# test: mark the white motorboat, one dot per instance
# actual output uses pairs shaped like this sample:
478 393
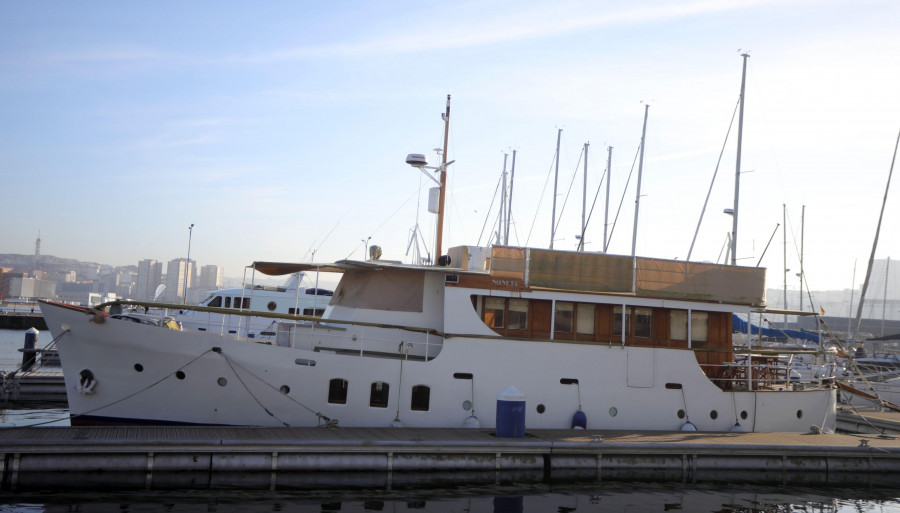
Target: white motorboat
291 298
224 310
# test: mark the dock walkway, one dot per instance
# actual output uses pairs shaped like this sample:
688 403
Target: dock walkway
152 457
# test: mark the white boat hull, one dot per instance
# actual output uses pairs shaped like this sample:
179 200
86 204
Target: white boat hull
146 374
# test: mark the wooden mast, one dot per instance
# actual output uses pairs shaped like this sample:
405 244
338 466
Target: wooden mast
440 220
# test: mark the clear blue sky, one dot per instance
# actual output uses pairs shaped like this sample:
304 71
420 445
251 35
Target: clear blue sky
279 128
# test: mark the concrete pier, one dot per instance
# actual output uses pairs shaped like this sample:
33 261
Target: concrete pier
22 320
154 457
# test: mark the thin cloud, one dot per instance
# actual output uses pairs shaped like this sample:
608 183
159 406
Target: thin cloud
531 25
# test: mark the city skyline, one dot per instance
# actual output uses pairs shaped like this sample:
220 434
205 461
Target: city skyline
280 134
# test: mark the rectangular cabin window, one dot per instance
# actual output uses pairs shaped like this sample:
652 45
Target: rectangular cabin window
617 321
518 314
227 301
585 318
643 321
563 317
494 309
678 324
699 326
246 301
216 302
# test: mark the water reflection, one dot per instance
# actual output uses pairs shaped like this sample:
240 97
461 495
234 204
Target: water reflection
596 497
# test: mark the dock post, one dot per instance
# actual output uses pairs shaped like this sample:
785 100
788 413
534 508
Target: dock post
28 353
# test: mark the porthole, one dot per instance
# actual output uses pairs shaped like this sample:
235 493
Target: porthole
713 414
138 367
271 306
799 414
613 411
222 382
285 389
681 414
179 375
541 408
744 415
467 405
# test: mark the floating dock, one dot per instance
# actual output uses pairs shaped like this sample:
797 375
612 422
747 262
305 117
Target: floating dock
868 420
43 387
282 458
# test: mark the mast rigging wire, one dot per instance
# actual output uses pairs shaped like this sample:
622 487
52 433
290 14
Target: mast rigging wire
713 181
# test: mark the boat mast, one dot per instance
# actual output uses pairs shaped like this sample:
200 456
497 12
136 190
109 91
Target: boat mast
501 227
512 174
440 220
862 294
802 230
555 180
887 270
737 172
784 302
637 204
606 213
584 199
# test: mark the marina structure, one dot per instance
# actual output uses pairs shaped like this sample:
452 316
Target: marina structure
286 458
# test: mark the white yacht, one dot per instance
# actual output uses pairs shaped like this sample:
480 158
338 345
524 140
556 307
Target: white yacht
434 346
563 339
222 308
225 311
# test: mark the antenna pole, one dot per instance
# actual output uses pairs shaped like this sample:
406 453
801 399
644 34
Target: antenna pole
440 219
737 172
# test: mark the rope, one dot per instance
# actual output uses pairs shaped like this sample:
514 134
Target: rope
328 421
621 201
238 376
129 396
10 374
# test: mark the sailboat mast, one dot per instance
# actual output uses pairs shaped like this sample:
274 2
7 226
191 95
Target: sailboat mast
887 270
501 228
637 204
584 199
862 293
606 210
737 172
555 180
440 219
512 175
802 230
784 302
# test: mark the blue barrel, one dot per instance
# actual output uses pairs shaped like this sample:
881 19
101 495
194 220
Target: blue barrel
510 413
28 355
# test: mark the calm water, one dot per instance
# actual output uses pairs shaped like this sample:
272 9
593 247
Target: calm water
360 495
600 497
